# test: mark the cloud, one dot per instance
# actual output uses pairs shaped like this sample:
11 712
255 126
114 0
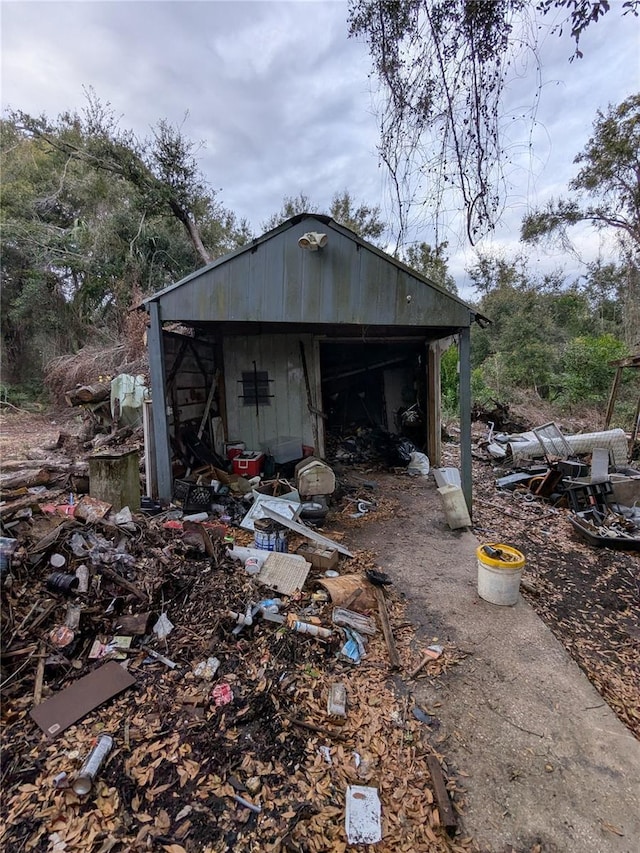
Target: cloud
281 98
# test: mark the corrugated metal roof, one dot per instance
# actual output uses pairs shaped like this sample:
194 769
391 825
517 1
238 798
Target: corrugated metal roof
349 281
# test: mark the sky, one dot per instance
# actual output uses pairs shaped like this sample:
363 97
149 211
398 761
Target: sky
284 102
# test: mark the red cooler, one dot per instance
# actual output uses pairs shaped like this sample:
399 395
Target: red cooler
248 464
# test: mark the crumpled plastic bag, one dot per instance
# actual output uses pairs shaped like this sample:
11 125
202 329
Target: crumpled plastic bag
418 464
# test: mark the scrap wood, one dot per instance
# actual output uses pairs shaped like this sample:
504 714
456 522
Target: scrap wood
124 583
394 658
447 814
305 531
37 690
335 735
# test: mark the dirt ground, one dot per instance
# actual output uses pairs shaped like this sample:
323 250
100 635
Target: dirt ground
23 432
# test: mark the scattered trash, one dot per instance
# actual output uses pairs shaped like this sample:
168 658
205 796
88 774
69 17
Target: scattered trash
337 700
354 649
363 815
207 669
222 694
62 582
251 806
83 782
325 752
312 630
421 715
378 578
163 627
455 507
61 637
61 781
82 573
418 464
285 573
157 656
70 705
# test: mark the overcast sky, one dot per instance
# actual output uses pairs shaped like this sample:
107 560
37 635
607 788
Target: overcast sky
282 99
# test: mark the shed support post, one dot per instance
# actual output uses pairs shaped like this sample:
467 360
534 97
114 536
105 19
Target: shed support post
434 405
159 400
464 355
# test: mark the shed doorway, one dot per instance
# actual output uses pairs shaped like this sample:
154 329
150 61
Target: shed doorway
375 385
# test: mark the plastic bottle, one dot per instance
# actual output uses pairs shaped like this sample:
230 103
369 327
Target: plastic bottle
83 782
313 630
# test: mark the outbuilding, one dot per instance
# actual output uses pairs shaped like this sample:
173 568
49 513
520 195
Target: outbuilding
301 333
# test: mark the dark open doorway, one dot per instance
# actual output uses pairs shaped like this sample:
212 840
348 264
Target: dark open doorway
373 385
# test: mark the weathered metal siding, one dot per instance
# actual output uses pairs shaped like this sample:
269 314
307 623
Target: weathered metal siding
275 281
287 414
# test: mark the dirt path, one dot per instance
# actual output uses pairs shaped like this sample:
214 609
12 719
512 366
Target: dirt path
550 767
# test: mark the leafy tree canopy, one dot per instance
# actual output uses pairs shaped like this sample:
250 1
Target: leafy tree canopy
432 263
92 218
361 219
606 190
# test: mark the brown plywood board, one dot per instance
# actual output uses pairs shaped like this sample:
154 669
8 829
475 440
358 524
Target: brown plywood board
68 706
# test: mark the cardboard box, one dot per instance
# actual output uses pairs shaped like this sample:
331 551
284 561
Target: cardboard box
248 464
319 557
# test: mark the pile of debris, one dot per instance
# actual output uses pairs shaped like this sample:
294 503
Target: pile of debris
586 473
574 514
227 697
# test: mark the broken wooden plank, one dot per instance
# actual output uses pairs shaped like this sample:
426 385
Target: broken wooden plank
448 817
312 727
305 531
386 629
124 583
37 689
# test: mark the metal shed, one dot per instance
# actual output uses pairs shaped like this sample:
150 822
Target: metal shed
306 327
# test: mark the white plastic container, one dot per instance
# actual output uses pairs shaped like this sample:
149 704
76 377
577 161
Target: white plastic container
455 506
499 579
283 448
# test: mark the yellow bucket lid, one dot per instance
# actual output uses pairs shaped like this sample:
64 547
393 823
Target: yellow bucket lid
516 559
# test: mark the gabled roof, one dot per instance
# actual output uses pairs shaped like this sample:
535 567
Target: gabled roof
349 281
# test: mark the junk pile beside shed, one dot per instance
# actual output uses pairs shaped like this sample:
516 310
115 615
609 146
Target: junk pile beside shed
169 685
588 474
584 584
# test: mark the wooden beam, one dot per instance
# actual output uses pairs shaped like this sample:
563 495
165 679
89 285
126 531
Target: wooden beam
434 405
448 817
612 397
386 629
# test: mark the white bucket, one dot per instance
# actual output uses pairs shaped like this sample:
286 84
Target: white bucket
499 579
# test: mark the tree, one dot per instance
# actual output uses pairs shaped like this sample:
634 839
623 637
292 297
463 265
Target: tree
362 220
443 66
606 194
291 206
86 223
162 168
606 190
431 263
